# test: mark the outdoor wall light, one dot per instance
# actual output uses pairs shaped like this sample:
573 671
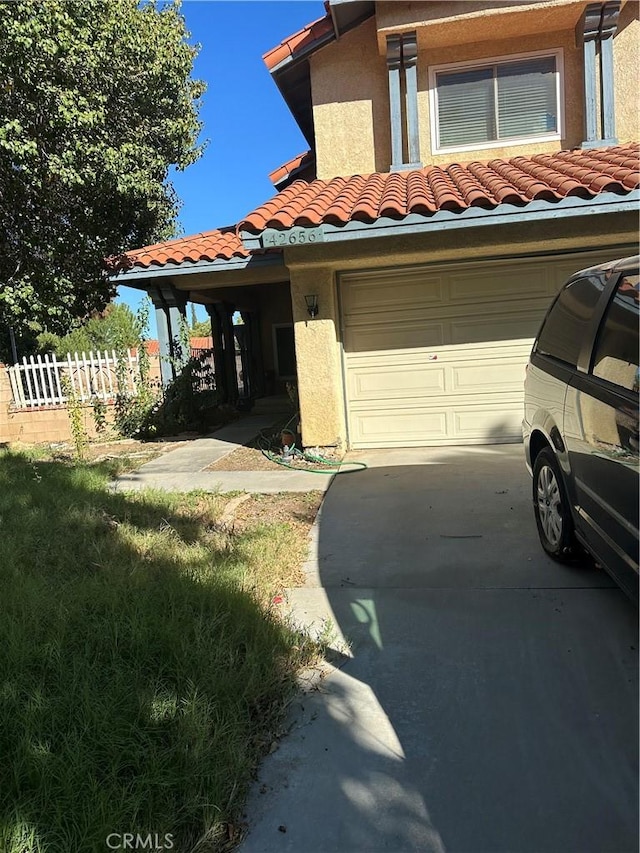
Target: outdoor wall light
312 304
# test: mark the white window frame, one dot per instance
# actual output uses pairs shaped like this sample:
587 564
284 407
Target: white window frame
434 70
274 328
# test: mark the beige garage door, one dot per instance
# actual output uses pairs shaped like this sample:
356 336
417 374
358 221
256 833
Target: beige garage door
436 356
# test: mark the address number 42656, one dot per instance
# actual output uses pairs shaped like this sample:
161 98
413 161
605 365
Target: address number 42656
292 237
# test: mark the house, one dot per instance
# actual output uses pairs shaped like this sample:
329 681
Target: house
463 159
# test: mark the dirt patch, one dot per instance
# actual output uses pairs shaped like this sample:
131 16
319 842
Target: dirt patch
299 509
244 459
271 535
253 459
101 451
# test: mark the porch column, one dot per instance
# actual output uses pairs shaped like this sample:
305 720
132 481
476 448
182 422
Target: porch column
254 351
226 317
320 388
218 353
176 303
164 336
241 335
224 351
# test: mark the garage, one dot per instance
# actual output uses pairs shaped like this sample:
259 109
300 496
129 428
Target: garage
436 355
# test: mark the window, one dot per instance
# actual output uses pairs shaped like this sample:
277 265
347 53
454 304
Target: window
564 330
616 351
285 351
496 103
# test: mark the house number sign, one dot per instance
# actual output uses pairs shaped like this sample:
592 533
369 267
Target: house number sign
292 237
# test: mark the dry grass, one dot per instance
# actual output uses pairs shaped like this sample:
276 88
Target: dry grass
144 671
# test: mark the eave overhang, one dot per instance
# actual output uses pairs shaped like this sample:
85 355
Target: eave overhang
291 73
444 220
138 276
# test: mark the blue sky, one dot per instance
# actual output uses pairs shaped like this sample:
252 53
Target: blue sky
247 124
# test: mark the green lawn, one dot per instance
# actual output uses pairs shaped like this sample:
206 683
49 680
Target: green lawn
142 670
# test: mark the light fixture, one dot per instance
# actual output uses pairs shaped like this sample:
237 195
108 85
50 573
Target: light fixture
312 304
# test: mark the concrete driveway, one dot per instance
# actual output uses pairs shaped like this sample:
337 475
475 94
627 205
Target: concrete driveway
490 703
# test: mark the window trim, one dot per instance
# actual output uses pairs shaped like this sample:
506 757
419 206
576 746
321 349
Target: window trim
434 70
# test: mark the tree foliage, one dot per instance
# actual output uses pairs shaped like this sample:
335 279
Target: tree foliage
201 329
115 328
97 104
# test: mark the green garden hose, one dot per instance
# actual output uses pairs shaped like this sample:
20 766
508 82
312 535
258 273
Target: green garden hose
266 444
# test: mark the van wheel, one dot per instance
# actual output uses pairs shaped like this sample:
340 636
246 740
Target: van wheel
551 507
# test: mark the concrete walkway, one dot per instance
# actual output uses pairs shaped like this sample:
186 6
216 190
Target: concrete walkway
487 702
183 469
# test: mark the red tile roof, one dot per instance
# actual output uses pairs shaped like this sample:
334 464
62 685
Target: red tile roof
517 181
299 42
298 162
207 246
153 346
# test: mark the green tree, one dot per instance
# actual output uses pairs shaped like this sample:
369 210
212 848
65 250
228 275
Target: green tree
115 328
97 104
201 329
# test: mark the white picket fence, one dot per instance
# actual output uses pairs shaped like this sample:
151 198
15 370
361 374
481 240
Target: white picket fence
39 381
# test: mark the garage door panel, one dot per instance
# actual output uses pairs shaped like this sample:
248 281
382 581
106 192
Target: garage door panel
488 284
437 356
398 380
385 337
484 421
395 383
506 327
412 428
423 427
392 292
480 378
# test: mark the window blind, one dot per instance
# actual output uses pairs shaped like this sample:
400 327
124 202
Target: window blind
465 106
527 98
501 101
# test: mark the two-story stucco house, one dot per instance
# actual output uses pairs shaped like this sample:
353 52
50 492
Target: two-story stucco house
463 159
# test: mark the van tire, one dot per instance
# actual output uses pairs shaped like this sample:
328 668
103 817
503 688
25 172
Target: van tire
552 508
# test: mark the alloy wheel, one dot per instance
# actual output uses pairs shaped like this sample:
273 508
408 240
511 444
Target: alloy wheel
549 505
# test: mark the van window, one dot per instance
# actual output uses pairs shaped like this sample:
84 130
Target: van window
616 351
568 320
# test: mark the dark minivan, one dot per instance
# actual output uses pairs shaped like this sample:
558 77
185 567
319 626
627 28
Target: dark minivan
581 420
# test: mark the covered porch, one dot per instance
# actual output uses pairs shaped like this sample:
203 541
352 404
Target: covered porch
248 302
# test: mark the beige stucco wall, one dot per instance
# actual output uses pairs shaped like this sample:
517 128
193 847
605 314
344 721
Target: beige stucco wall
316 269
440 23
626 61
350 84
318 356
350 97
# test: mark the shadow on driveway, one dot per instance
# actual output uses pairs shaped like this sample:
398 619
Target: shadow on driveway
491 700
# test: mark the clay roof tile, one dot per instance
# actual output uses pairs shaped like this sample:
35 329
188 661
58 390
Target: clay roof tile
516 181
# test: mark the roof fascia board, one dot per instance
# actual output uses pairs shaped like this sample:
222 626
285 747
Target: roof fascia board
187 268
303 54
341 14
338 31
473 216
